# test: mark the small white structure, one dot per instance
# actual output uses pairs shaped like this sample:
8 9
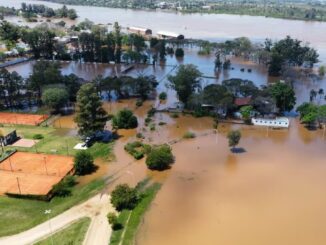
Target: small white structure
281 122
170 35
80 146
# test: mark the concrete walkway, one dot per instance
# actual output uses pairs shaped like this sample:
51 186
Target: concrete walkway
99 231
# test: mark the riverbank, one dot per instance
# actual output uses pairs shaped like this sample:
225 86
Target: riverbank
290 10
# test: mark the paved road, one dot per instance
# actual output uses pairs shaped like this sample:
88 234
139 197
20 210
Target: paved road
99 231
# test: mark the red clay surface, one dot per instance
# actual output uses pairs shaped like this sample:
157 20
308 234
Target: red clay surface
24 119
35 173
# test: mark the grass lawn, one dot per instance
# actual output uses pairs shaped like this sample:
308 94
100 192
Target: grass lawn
130 219
55 141
20 214
72 235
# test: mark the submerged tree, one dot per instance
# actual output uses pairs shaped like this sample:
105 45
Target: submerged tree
234 137
185 82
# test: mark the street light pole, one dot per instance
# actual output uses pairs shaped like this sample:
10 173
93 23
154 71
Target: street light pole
47 213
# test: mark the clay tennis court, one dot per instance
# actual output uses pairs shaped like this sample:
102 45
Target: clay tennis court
33 174
23 119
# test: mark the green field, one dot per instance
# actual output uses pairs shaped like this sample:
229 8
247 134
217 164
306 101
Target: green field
72 235
55 141
131 219
29 213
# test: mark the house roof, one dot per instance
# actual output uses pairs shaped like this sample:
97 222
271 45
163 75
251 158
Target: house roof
242 101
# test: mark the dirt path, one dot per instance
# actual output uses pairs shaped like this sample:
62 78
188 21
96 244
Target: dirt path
99 231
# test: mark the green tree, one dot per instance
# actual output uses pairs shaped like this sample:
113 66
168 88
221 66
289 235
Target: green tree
322 71
124 197
90 116
179 53
124 119
117 41
185 82
246 113
283 95
44 73
83 163
55 98
160 157
9 33
234 137
40 40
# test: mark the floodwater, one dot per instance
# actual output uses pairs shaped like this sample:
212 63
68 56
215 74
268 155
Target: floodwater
271 194
205 64
203 26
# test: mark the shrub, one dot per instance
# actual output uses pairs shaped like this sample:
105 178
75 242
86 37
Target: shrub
163 96
151 112
63 188
124 119
162 123
83 163
148 120
139 103
124 197
135 149
179 53
152 127
234 138
189 135
113 221
174 115
38 136
140 136
242 69
160 157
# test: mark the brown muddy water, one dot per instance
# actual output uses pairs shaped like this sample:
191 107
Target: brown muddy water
271 194
205 64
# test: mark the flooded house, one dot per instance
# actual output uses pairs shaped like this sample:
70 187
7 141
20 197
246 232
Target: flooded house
140 31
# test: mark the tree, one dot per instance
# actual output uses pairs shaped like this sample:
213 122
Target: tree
9 33
246 113
284 96
10 87
124 197
83 163
308 113
144 86
40 40
124 119
90 116
179 53
55 98
160 157
185 82
322 71
234 137
44 73
117 41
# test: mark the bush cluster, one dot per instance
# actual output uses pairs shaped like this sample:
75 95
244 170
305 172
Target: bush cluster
124 197
160 157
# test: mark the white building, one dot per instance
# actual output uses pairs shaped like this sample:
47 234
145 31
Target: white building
281 122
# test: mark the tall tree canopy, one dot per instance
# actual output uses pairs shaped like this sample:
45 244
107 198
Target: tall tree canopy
90 116
185 81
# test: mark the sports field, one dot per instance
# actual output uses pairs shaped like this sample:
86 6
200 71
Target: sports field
33 174
23 119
